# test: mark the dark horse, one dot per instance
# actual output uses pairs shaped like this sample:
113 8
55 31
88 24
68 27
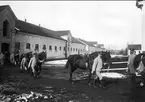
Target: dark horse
140 57
85 62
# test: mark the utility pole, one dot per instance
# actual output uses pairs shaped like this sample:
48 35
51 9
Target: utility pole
139 4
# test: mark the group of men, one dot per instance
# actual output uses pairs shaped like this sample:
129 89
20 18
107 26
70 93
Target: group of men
28 62
32 65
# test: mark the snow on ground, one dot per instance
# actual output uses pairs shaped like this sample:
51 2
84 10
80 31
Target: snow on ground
113 75
56 62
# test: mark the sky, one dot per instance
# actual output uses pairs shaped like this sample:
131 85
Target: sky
112 23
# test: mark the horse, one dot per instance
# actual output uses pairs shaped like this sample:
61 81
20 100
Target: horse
85 62
140 57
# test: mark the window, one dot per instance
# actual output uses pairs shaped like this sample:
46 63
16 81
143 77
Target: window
64 48
71 49
50 47
44 47
68 48
6 28
60 48
56 48
17 45
27 45
76 49
36 47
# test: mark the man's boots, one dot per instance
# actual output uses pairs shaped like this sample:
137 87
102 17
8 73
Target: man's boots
96 81
101 84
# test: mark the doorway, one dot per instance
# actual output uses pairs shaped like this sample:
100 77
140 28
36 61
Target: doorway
5 50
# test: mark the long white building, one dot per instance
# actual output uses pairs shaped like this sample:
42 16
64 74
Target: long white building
21 35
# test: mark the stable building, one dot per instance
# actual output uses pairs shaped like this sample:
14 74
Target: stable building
91 46
21 35
18 35
37 39
74 46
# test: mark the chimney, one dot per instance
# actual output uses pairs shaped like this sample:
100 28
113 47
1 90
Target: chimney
25 20
39 25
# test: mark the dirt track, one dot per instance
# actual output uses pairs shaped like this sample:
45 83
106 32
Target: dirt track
57 78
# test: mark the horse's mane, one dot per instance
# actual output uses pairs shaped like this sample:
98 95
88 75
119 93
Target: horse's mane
42 55
93 55
105 55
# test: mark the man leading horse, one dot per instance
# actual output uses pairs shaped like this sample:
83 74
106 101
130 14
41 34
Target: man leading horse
86 62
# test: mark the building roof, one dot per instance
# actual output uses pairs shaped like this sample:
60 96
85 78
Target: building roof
90 43
3 7
75 40
134 46
63 32
36 30
100 45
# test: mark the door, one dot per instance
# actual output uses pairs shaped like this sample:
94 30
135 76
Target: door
5 50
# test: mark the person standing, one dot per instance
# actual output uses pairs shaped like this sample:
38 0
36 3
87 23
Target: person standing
12 58
131 69
2 58
33 64
23 64
97 66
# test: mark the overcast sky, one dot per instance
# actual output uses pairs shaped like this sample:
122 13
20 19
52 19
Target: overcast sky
112 23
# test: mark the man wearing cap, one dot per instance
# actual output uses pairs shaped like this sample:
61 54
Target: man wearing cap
97 66
23 64
33 64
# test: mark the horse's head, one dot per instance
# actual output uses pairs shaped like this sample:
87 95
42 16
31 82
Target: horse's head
86 56
138 58
42 56
106 57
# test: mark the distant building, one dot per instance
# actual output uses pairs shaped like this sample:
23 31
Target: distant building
74 46
91 46
136 47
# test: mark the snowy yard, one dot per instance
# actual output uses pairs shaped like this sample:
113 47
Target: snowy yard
56 62
63 62
113 75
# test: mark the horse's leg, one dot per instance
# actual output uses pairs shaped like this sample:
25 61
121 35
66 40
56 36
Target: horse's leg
72 69
90 74
89 77
70 73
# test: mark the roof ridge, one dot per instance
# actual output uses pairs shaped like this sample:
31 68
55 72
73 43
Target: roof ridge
36 25
3 7
34 29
